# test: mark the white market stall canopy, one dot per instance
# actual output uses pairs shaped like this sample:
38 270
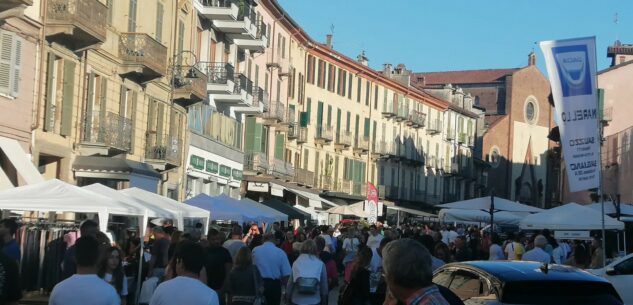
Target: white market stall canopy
571 216
182 210
19 160
356 209
412 211
225 208
609 208
58 196
484 204
476 216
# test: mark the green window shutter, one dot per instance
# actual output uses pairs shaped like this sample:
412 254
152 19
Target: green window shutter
600 103
349 86
279 146
320 114
212 167
366 128
159 124
374 133
49 116
357 127
133 117
291 113
68 96
6 65
196 162
329 115
309 110
259 138
304 118
249 133
348 122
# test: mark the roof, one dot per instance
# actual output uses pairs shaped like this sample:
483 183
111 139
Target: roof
510 271
626 63
462 77
113 165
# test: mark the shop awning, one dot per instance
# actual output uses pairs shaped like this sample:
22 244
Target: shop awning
5 182
225 208
111 168
292 212
314 200
412 211
278 216
18 158
153 210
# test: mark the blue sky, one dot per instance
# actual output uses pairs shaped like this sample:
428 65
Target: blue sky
460 35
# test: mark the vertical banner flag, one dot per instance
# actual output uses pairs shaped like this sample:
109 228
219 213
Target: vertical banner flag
372 200
571 66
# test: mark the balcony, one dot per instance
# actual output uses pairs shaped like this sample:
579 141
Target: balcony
304 177
293 131
386 149
362 145
13 8
343 140
303 135
241 95
255 163
276 113
76 24
242 24
282 169
163 154
220 77
324 135
217 9
144 58
450 134
259 43
401 114
462 138
390 109
105 134
259 103
416 119
189 91
471 141
434 127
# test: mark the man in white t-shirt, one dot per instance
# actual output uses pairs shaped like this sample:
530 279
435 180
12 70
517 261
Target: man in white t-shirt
186 288
85 287
373 241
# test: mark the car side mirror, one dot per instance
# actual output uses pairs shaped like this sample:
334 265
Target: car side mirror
611 271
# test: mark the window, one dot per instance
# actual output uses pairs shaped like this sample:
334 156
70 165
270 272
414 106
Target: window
10 62
349 88
58 115
467 285
531 110
131 16
376 98
367 90
160 11
320 74
625 267
495 157
358 91
310 76
110 11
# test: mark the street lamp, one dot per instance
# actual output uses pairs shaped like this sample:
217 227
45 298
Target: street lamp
177 66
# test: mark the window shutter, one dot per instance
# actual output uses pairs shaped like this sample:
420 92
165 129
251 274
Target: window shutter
123 102
159 22
48 108
133 118
131 21
6 55
304 119
257 139
366 128
67 95
249 134
159 124
279 146
17 61
89 107
309 110
103 104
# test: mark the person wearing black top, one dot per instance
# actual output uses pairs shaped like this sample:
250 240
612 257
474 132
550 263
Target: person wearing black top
359 283
217 265
10 292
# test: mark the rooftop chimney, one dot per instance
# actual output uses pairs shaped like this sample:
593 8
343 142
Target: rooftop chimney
532 59
387 70
362 59
328 40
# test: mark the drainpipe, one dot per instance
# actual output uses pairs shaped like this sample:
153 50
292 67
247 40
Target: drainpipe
38 94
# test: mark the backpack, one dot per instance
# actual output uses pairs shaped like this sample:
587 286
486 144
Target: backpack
307 285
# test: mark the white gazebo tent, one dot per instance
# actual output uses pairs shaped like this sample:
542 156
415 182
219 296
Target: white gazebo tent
490 204
180 209
609 208
477 216
58 196
151 210
356 209
569 217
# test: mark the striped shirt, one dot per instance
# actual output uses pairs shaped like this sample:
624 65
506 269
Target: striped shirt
427 296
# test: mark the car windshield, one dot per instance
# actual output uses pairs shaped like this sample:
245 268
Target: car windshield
555 292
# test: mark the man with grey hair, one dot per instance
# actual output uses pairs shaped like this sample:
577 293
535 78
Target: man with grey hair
538 254
407 268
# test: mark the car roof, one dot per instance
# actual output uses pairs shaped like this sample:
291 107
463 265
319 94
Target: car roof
512 271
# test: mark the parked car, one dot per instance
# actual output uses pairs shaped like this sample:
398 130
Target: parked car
620 274
501 282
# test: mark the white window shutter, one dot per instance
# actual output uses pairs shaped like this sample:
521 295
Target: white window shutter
6 55
17 61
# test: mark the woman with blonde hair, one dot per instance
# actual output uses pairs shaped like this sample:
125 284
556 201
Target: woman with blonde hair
308 283
245 284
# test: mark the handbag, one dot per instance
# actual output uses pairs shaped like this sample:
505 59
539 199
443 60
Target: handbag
345 295
307 285
259 290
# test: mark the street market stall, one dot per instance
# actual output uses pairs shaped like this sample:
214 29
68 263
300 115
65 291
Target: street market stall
278 216
356 209
224 208
477 217
569 217
291 211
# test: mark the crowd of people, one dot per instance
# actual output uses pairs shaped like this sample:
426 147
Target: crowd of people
368 265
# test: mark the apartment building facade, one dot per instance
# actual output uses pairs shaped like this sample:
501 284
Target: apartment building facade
112 100
20 32
334 124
